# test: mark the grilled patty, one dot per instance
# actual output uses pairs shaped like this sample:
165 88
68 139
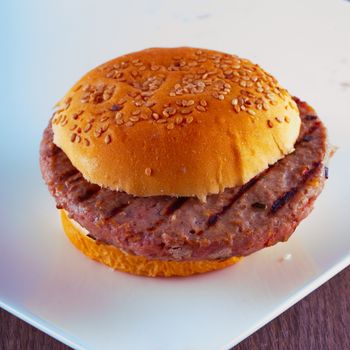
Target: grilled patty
236 222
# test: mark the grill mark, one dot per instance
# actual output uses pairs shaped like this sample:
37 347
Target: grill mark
308 134
282 200
175 205
287 196
88 194
115 211
212 220
310 117
307 138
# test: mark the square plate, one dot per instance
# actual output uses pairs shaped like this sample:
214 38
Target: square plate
48 283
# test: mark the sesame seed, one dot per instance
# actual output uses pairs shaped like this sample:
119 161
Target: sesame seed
111 74
221 97
98 132
129 123
287 119
138 103
189 119
77 88
87 142
136 112
170 126
155 116
190 102
279 119
185 111
73 127
104 128
134 119
251 112
73 137
87 127
75 116
118 115
237 108
107 139
148 171
178 120
234 102
269 123
203 103
150 104
168 111
200 108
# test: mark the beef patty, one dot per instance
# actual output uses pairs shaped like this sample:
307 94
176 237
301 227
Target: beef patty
236 222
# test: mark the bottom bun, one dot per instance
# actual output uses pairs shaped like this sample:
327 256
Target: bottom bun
134 264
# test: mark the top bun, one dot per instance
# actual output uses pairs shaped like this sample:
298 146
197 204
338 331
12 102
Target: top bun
175 121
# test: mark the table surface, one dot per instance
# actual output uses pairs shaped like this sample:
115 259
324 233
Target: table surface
320 321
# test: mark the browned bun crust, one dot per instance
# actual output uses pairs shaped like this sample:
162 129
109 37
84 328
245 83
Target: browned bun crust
136 265
179 122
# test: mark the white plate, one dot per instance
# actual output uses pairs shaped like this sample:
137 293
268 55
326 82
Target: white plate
45 281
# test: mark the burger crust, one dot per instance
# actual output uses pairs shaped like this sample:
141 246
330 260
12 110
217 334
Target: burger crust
175 121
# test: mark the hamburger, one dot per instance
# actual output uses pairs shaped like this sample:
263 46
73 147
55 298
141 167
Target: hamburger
176 161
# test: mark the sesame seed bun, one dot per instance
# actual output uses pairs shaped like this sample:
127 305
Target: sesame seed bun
175 121
133 264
